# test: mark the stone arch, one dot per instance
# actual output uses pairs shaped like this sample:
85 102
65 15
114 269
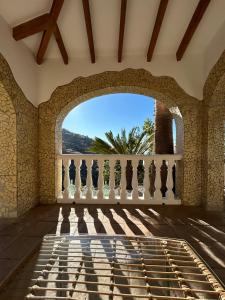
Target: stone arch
18 134
165 89
177 116
213 136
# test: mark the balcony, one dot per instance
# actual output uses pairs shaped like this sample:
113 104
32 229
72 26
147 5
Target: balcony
104 179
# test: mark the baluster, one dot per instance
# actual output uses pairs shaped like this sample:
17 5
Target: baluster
157 193
147 194
59 194
89 179
111 179
100 195
135 180
123 181
169 182
66 163
77 163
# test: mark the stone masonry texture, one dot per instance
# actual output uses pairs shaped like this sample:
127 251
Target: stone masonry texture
164 89
31 138
19 147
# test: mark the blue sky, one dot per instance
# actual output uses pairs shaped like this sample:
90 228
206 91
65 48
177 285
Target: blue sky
109 112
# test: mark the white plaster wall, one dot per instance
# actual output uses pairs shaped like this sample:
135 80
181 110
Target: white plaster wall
38 82
179 129
21 62
215 48
188 72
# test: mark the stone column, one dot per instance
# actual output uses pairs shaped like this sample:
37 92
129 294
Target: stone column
192 116
213 158
47 154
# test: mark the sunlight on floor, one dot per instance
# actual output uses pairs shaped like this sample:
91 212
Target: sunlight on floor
120 267
204 231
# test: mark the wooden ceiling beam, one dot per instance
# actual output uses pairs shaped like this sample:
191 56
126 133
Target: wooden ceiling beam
31 27
48 24
122 28
54 13
60 44
158 23
56 8
87 16
195 20
43 45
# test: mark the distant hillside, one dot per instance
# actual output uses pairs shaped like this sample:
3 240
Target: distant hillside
74 142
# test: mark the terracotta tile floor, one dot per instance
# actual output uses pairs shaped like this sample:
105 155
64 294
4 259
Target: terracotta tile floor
21 237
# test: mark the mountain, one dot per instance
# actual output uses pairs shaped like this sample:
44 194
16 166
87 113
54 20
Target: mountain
75 143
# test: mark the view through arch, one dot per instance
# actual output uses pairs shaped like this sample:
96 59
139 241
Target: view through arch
111 125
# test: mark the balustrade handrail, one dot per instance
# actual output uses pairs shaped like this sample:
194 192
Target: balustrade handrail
125 156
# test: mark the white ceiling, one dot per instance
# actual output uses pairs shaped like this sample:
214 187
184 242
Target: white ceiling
105 16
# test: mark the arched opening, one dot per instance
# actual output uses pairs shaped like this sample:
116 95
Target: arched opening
138 170
164 89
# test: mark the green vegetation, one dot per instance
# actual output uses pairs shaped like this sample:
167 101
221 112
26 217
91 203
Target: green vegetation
137 141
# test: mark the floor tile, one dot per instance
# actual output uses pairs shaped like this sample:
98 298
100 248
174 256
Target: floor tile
18 237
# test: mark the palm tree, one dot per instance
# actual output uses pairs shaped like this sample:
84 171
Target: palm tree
137 141
163 129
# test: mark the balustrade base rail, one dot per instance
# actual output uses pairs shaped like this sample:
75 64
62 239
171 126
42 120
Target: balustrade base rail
176 201
118 179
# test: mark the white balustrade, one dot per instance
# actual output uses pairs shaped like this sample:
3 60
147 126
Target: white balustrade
100 179
158 184
147 194
169 184
66 164
89 186
116 190
77 163
111 180
123 180
58 167
135 179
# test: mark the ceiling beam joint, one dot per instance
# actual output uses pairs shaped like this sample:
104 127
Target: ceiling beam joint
48 24
54 13
31 27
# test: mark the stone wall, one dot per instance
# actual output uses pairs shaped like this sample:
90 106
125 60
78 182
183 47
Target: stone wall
27 155
164 89
192 178
8 156
24 131
19 147
213 137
